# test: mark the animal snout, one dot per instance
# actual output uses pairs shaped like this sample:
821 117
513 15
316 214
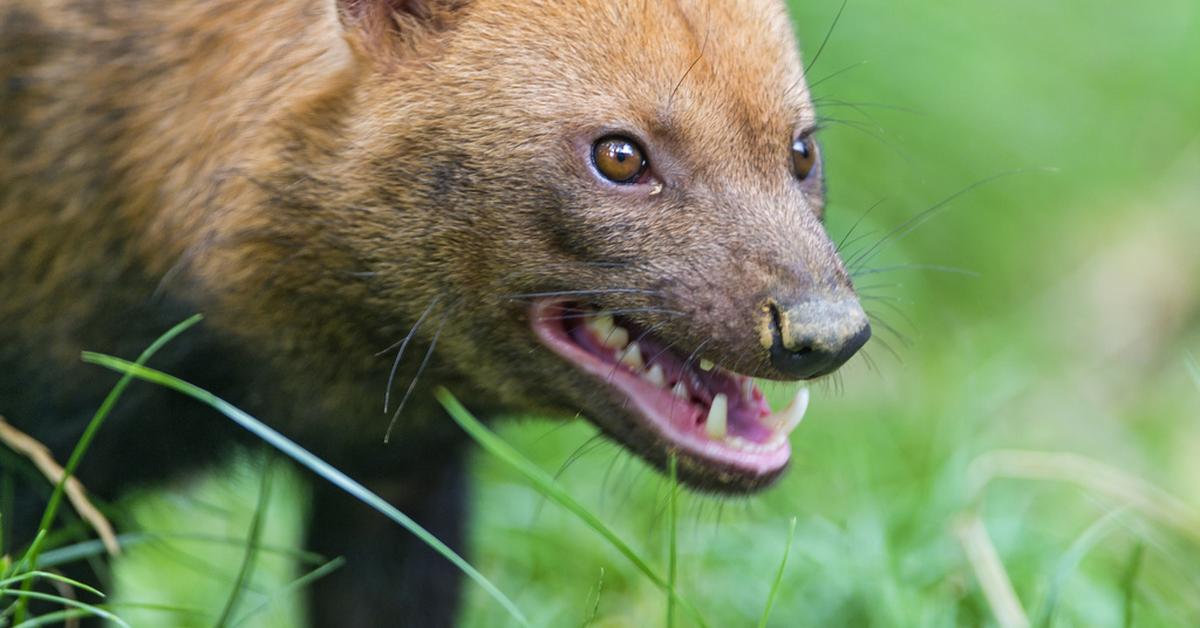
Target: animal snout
815 336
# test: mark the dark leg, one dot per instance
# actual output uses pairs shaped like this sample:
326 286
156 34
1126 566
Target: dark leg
391 578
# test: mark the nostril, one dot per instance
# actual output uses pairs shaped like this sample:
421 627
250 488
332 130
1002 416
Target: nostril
802 361
776 325
816 337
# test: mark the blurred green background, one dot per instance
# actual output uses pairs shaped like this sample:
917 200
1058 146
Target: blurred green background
1064 321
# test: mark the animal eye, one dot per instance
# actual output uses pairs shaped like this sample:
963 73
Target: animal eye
619 159
804 157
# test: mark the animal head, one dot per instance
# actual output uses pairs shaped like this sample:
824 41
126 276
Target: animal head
604 207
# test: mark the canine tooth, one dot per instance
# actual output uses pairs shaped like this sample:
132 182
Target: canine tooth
656 376
706 365
717 425
787 420
748 389
616 338
632 357
680 390
601 325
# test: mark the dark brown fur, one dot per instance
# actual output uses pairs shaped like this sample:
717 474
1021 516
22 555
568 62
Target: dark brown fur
314 175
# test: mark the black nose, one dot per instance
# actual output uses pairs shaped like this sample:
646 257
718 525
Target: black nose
815 337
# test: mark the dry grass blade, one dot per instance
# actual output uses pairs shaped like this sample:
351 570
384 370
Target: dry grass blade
37 453
1127 489
989 570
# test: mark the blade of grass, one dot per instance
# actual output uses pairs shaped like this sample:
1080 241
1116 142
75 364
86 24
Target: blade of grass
81 447
547 486
591 618
88 549
34 575
1069 563
312 463
1126 488
8 494
49 619
989 571
198 613
292 587
673 465
1129 582
1193 368
18 565
35 595
252 539
787 549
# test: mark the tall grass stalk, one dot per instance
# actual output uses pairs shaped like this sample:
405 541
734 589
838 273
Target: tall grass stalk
672 517
555 492
253 537
29 560
313 463
787 549
1070 561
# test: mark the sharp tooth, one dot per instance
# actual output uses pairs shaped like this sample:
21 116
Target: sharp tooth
656 376
680 390
601 325
706 365
616 338
787 420
748 389
717 424
632 357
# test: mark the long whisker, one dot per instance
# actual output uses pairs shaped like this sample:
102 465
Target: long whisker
403 344
895 309
575 293
695 62
841 243
903 229
889 299
825 102
828 34
620 312
687 365
591 444
883 343
387 437
951 270
836 74
889 328
880 286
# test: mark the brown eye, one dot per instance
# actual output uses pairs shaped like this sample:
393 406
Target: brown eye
619 159
804 157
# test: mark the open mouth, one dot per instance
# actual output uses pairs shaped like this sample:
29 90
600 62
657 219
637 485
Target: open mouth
711 414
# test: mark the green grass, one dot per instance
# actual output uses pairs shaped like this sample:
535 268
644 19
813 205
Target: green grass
1072 330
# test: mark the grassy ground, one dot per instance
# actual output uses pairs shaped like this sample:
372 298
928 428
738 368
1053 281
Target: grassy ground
1067 324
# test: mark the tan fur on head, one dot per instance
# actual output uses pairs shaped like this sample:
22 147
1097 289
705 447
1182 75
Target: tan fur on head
315 175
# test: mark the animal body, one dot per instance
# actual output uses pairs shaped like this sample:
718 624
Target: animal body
605 207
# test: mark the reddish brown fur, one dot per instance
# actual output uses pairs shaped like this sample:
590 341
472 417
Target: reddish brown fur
312 175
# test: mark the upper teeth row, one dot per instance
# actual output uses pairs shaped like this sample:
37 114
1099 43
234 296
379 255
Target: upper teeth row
615 337
608 331
716 426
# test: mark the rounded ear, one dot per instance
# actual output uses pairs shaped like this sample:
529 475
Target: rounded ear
399 24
